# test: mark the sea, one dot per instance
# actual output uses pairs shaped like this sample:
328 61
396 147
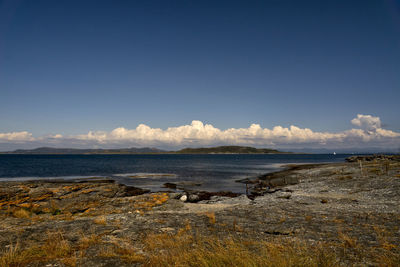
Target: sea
209 172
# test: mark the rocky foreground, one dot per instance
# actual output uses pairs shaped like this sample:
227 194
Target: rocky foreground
345 214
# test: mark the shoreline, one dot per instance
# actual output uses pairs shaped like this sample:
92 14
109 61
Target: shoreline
352 213
282 168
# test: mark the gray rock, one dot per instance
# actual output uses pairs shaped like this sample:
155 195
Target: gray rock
193 198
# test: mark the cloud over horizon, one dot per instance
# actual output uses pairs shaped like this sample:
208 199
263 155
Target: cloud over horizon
367 134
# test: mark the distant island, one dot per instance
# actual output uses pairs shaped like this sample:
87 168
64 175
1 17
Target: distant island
229 150
149 150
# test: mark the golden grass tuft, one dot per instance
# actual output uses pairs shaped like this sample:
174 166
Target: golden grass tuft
126 253
70 261
308 218
338 221
186 249
348 241
388 260
211 217
102 220
55 248
12 256
21 213
86 241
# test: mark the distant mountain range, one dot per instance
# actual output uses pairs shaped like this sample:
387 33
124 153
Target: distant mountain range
52 150
149 150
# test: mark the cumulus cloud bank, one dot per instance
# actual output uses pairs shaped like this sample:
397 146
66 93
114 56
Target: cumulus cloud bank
368 133
16 137
367 122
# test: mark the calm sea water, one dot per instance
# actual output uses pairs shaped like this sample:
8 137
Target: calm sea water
215 172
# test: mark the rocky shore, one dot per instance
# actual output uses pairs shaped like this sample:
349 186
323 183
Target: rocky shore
345 214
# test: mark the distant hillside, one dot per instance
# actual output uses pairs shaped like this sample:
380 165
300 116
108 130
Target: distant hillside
51 150
148 150
229 149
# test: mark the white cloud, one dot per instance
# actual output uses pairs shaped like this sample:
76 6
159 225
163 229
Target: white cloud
206 134
197 133
367 122
16 137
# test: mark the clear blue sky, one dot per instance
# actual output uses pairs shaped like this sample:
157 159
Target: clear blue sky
73 66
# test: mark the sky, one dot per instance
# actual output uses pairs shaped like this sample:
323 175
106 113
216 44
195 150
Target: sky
170 74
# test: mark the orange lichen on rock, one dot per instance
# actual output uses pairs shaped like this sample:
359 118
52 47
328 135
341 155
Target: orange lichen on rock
43 197
29 205
86 191
14 202
74 187
148 202
160 198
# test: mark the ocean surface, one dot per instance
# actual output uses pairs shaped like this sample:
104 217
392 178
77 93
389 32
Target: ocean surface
215 172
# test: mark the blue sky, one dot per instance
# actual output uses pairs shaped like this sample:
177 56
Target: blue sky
70 67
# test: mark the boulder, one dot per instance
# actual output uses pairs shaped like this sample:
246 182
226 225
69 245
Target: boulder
183 198
193 198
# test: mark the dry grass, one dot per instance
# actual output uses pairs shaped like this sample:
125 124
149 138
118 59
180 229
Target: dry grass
21 213
127 253
102 220
12 256
186 249
308 218
211 217
388 260
86 241
348 241
338 221
236 227
55 248
383 236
